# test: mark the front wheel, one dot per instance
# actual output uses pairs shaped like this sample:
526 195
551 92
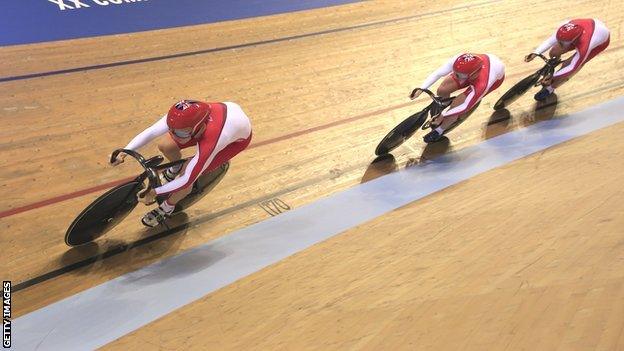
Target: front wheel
516 91
401 132
103 214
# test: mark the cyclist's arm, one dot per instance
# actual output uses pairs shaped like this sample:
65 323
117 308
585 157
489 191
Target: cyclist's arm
472 98
157 129
574 65
196 166
439 73
549 43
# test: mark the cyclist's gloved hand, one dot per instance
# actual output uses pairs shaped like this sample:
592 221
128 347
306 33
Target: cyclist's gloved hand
530 57
119 159
415 93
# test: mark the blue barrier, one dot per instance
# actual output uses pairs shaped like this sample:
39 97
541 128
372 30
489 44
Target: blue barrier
31 21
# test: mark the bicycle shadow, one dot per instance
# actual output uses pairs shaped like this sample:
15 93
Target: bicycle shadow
503 121
543 111
86 254
95 256
432 151
382 165
387 164
500 122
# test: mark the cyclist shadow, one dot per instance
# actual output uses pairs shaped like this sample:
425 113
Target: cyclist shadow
382 165
431 152
543 111
502 121
153 244
387 164
90 251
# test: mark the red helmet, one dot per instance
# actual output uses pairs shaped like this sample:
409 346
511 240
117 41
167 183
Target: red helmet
187 114
467 64
569 32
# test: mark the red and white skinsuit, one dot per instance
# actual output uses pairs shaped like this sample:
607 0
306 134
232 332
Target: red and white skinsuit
490 78
228 132
595 39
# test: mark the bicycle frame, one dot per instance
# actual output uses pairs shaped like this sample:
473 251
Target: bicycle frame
549 69
411 124
525 84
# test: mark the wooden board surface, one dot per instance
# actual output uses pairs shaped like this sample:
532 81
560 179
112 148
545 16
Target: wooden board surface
319 104
524 257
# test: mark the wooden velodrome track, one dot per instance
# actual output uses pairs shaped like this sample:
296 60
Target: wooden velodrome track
526 256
